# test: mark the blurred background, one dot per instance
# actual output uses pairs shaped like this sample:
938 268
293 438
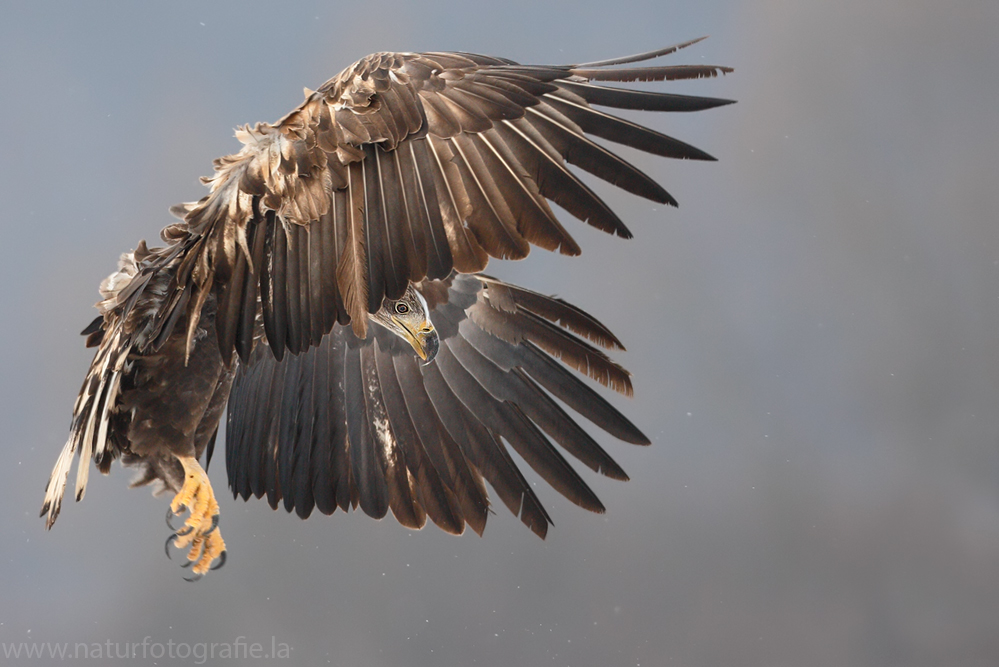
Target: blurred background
814 336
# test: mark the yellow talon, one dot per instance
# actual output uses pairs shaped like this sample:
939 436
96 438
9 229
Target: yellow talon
203 535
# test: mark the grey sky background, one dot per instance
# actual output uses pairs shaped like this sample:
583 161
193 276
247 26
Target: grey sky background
813 336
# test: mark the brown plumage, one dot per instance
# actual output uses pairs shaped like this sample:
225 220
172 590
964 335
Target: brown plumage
424 163
293 422
404 169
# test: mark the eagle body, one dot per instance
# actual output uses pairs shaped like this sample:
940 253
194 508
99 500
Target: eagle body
167 407
328 293
152 401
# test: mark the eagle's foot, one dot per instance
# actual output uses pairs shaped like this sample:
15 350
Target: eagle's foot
200 530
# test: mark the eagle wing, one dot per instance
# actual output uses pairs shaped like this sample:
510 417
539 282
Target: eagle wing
359 422
402 168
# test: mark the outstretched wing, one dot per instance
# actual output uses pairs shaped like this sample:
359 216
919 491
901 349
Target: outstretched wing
356 422
403 168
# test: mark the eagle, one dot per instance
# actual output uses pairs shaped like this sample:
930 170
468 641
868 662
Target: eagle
327 294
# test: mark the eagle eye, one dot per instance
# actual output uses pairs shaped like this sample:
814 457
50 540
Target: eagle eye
401 308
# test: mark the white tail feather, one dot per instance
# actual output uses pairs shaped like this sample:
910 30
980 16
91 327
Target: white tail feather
102 431
87 451
56 487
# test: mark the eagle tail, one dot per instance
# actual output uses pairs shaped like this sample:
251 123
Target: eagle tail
92 412
90 426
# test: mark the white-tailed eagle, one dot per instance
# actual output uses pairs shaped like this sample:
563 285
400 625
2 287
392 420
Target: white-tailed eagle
328 289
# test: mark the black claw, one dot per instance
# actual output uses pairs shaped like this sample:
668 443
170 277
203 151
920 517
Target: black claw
173 536
218 565
215 524
196 577
170 514
166 547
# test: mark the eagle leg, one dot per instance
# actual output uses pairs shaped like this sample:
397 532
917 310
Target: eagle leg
202 533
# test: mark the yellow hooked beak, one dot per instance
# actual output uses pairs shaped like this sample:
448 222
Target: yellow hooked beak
424 338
